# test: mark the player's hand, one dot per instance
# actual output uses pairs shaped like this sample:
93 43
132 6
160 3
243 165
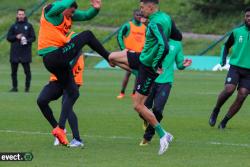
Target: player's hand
187 62
96 3
159 71
19 36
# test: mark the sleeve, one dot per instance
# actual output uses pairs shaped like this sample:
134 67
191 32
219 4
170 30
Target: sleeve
179 59
81 15
175 33
11 36
58 7
162 43
225 49
123 32
32 37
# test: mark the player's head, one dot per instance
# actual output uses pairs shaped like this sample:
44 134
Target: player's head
247 17
69 12
148 7
137 15
20 14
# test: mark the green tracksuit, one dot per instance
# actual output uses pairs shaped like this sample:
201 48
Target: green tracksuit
157 36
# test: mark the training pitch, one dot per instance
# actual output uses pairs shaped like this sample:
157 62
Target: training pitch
112 131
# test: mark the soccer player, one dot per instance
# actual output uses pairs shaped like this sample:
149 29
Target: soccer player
239 72
57 51
131 36
160 29
53 91
162 85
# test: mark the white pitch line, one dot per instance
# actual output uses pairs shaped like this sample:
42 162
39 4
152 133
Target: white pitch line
44 133
229 144
122 137
23 132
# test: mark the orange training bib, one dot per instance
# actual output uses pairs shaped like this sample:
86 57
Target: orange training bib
136 39
51 35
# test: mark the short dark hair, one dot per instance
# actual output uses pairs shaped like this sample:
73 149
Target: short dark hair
150 1
74 5
247 9
20 9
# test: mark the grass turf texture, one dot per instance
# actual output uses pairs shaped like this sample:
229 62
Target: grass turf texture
112 130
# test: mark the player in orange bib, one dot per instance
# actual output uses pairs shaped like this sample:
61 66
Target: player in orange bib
57 52
53 91
131 36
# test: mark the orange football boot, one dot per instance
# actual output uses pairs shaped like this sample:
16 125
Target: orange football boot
60 135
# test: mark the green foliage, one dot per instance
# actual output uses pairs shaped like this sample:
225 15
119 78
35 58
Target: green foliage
115 13
213 7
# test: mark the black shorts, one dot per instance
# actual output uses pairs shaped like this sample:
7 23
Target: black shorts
239 77
133 60
145 79
158 96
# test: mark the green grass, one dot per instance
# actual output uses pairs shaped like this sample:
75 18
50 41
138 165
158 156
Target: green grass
195 46
8 9
112 130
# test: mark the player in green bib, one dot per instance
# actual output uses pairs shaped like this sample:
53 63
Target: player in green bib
162 85
239 73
